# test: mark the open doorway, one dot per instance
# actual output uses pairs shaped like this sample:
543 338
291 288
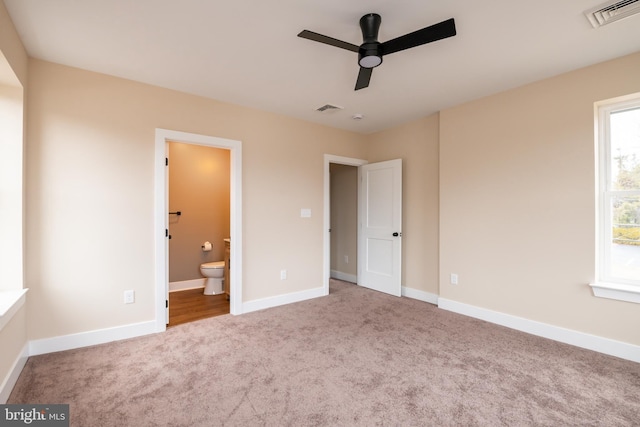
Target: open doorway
379 224
344 222
161 226
199 231
340 214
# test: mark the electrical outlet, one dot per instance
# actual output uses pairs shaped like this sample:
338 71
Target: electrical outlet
283 274
454 279
129 297
346 259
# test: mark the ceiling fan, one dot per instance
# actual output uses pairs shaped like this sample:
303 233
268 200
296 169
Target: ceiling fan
371 51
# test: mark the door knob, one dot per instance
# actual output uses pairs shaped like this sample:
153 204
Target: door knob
396 234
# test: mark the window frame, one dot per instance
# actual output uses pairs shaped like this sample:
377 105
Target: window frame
606 285
12 101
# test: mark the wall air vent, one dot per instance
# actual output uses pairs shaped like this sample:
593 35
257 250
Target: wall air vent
612 11
328 107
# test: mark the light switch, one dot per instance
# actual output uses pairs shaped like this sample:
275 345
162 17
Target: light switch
305 213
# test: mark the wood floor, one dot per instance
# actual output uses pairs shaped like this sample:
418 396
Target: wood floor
189 305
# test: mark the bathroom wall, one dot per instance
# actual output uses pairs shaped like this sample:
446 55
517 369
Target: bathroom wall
199 182
344 221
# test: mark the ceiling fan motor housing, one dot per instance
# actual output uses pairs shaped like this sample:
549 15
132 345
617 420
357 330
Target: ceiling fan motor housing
370 51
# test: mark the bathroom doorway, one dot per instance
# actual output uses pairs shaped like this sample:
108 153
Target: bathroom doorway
199 223
161 221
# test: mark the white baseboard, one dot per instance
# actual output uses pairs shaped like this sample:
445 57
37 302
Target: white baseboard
261 304
420 295
186 284
335 274
85 339
101 336
568 336
12 377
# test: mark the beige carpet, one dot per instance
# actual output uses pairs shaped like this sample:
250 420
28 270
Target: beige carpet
356 357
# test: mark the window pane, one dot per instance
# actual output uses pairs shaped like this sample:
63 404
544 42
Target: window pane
625 262
625 149
625 233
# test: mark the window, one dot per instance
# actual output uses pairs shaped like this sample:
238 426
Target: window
618 228
11 193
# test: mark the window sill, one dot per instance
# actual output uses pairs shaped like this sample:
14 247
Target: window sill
10 303
617 291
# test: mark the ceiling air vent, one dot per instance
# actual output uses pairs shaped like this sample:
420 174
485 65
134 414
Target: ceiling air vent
328 108
612 11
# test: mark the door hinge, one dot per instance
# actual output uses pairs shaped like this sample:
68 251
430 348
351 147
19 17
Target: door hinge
166 161
166 303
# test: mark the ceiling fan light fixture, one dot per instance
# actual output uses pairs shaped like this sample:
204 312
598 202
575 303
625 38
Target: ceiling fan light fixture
370 55
370 61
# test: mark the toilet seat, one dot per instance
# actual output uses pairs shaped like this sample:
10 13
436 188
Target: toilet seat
214 264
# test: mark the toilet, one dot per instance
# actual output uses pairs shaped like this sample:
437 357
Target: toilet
214 272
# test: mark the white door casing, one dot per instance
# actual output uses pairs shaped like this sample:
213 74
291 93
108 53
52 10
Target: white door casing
161 214
380 226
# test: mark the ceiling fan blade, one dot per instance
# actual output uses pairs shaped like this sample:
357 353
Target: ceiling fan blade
430 34
364 76
306 34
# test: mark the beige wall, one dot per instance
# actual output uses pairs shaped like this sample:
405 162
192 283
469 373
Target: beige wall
199 187
284 172
344 219
90 194
517 207
416 143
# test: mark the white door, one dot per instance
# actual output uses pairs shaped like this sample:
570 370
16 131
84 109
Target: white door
380 226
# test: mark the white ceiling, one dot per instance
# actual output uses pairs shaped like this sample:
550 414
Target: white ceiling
247 52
